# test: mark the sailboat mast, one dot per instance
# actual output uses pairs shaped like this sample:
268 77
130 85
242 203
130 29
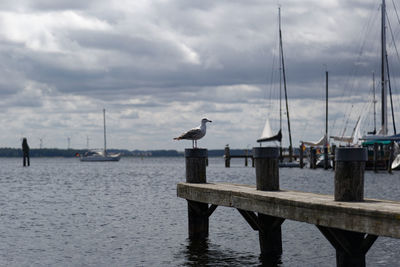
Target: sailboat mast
280 75
280 84
373 87
284 87
104 123
383 71
390 93
326 163
326 108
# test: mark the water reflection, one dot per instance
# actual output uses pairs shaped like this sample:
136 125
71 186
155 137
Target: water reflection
270 261
197 252
205 253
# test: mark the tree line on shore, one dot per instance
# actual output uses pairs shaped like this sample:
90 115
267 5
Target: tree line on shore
67 153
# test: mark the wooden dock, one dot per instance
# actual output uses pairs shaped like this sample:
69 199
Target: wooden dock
371 216
246 156
348 221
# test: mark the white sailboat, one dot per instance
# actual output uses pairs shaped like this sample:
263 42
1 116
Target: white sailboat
94 155
354 138
267 134
383 134
322 141
322 158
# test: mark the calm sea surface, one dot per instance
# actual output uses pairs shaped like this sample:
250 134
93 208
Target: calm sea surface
62 212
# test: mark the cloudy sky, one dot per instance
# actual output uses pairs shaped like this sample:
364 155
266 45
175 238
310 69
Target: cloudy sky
158 67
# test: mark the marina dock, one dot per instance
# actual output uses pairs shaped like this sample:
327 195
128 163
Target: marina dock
371 216
348 221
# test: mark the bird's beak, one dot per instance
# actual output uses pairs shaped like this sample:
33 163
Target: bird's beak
209 121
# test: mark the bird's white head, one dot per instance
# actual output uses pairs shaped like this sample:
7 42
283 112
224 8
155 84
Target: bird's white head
205 120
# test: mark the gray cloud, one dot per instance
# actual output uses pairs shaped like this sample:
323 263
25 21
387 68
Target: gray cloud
159 65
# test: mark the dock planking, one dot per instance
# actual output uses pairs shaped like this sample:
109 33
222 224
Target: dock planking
348 221
371 216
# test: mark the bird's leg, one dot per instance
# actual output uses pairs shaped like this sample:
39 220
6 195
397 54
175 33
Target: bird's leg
192 143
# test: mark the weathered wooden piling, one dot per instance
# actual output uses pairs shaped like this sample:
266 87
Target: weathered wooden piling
267 179
351 247
333 157
313 158
227 156
349 173
301 156
25 152
326 158
348 222
391 157
197 211
267 168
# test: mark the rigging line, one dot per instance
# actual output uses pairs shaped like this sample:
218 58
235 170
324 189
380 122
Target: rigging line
390 92
272 83
398 57
272 79
393 40
273 71
350 82
351 85
397 16
367 107
395 10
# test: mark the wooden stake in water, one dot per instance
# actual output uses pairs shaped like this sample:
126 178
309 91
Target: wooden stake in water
197 211
25 152
227 156
267 179
301 156
351 247
349 173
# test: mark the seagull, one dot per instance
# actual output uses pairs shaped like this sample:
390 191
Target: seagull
195 133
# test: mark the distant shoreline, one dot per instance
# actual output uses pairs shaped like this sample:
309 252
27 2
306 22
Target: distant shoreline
70 153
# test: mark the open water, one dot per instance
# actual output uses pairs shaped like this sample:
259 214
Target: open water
62 212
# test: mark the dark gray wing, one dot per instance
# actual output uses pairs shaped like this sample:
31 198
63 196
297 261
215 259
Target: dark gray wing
191 134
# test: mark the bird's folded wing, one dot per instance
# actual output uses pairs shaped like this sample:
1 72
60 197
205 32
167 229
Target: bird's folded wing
193 133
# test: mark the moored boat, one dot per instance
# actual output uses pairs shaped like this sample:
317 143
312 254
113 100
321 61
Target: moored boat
93 155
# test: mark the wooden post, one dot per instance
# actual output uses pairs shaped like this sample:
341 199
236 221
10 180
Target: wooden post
227 157
314 152
301 156
326 159
351 247
313 158
267 168
349 174
375 157
25 152
252 162
391 157
267 179
245 159
197 211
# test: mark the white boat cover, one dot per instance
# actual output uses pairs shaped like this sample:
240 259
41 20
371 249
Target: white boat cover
355 137
320 142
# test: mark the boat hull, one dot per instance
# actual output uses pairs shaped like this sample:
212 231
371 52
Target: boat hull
100 158
396 163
